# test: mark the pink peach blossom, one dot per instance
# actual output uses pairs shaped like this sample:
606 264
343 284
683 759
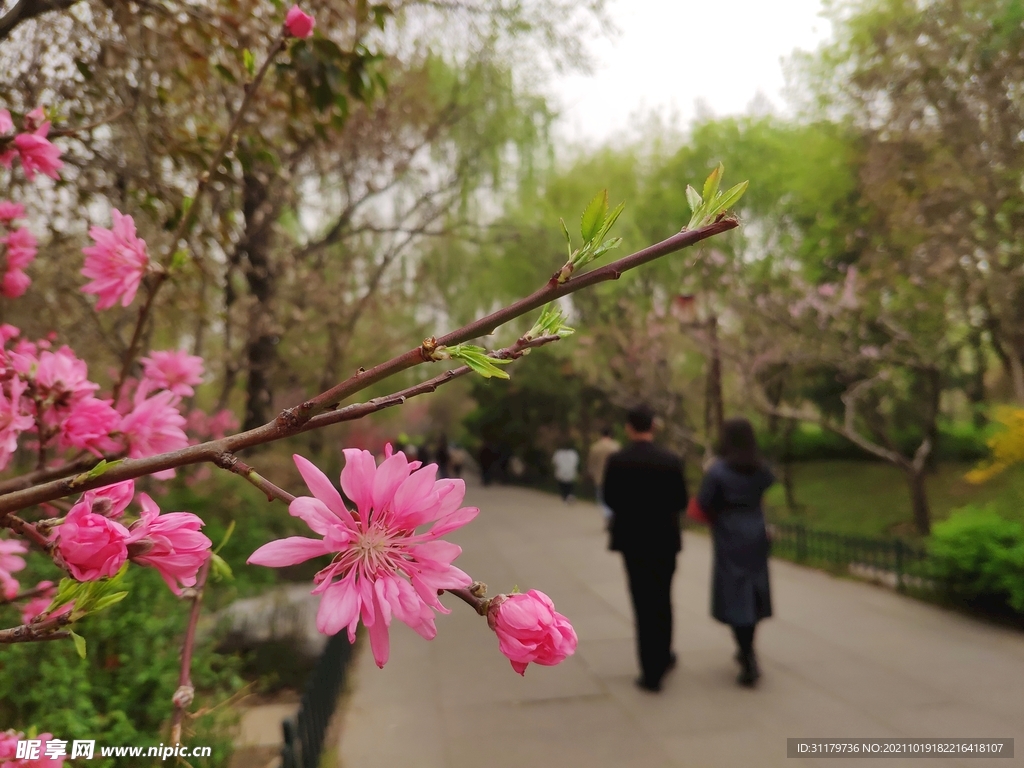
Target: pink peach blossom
89 426
93 546
34 119
116 263
6 124
13 420
154 425
174 370
377 545
169 542
14 283
38 154
530 630
9 752
39 603
62 382
9 563
20 251
10 211
298 23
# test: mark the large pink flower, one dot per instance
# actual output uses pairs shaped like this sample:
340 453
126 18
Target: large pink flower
154 426
298 23
530 630
174 370
116 263
38 154
9 563
93 546
377 545
171 543
89 426
9 751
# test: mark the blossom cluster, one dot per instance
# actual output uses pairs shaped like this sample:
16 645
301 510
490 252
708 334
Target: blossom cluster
9 752
94 544
36 152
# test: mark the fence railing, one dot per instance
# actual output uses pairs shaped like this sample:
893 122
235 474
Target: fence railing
896 561
304 734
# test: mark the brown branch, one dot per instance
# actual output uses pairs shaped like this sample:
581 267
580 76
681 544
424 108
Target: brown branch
472 595
23 10
232 463
183 696
73 467
300 419
47 629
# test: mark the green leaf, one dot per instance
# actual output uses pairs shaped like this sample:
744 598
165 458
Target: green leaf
478 361
712 182
593 215
693 198
178 260
108 600
729 198
79 643
609 221
227 535
186 205
219 568
250 62
66 592
568 240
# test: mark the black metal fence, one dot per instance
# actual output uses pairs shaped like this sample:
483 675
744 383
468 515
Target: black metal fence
304 734
894 561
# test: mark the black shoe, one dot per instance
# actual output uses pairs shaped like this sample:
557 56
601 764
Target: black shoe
750 672
646 685
672 661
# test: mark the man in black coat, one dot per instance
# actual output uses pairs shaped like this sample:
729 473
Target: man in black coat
646 491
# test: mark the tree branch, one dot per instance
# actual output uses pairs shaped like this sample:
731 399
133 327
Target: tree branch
183 696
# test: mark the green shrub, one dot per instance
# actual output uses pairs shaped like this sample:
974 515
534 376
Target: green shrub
979 558
956 442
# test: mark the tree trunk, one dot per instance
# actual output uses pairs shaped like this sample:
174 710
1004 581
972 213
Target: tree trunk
919 498
787 466
713 408
260 347
975 388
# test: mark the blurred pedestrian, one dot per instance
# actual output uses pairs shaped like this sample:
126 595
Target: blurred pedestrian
646 490
730 497
488 458
459 458
566 461
597 459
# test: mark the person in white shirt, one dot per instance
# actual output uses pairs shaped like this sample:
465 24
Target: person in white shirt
566 462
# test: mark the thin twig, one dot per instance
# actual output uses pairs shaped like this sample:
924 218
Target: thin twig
185 693
232 463
48 629
294 420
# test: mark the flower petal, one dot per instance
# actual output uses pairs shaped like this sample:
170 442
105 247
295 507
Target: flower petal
390 475
454 521
338 607
357 479
380 642
321 487
290 551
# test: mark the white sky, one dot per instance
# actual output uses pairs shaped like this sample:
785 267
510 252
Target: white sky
671 54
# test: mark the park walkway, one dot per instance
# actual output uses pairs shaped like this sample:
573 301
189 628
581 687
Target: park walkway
840 659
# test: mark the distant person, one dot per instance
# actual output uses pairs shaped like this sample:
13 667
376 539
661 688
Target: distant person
566 461
459 458
730 497
443 457
424 454
597 459
646 491
488 458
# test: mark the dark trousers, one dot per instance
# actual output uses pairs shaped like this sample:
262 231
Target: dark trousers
744 639
565 489
650 585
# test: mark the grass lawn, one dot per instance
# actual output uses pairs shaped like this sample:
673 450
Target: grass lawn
871 499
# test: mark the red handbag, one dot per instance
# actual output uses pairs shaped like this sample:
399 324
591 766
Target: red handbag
695 513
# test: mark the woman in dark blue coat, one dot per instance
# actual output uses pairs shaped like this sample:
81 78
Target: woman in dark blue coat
730 496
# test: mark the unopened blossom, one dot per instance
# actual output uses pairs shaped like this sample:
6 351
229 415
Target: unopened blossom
530 630
171 543
92 545
10 211
34 119
13 419
38 154
10 562
154 426
116 263
174 370
382 566
89 426
298 23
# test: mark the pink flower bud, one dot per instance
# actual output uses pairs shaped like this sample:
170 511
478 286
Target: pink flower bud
299 24
530 630
93 546
169 542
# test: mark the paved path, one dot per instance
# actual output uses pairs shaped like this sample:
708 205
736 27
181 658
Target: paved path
840 659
